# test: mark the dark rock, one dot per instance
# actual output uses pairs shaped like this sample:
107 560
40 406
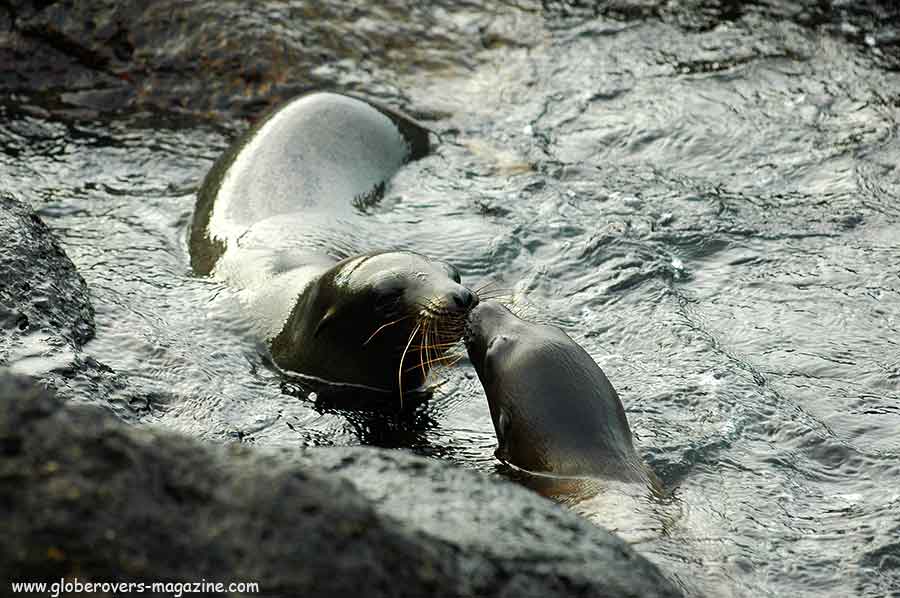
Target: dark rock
89 497
504 535
224 57
237 58
46 315
97 500
40 290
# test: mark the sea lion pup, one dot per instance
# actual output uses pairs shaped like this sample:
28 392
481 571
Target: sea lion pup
554 411
280 218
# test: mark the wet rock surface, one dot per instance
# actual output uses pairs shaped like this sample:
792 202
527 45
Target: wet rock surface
223 57
525 542
46 314
98 500
234 58
40 290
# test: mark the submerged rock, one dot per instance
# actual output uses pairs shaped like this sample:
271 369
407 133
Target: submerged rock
92 498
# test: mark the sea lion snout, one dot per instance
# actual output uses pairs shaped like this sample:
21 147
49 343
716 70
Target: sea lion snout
484 322
463 299
488 316
472 331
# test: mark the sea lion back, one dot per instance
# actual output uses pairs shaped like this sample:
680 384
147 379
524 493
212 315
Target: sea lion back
322 152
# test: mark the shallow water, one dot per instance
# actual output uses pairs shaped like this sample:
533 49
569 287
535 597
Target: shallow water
712 213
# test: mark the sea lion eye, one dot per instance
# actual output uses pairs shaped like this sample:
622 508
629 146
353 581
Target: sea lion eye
388 293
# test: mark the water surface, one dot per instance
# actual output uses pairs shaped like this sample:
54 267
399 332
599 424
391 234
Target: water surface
713 213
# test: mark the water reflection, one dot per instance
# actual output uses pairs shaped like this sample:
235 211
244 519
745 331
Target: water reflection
375 418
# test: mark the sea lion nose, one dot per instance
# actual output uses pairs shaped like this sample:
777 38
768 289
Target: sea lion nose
463 299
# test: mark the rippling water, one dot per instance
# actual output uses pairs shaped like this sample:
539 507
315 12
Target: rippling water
713 214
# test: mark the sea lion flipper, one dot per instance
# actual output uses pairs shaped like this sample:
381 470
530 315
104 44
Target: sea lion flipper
502 427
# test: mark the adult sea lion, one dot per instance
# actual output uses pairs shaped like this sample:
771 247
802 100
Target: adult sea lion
279 217
554 411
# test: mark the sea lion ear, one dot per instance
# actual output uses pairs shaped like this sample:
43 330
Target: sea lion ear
329 316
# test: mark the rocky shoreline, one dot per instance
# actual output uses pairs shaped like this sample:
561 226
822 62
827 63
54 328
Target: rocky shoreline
223 60
89 494
94 499
91 497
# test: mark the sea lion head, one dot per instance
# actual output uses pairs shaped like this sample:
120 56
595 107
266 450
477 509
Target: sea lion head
553 409
378 320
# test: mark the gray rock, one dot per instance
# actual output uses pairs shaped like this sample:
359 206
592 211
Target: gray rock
235 58
40 290
96 499
88 496
228 57
46 315
503 533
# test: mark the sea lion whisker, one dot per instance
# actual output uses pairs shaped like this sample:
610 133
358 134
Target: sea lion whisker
440 334
445 359
423 353
450 319
422 324
402 357
437 307
455 361
439 356
450 332
432 352
520 310
433 302
448 361
450 357
486 285
383 326
489 291
430 314
447 344
495 294
503 298
450 335
434 311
